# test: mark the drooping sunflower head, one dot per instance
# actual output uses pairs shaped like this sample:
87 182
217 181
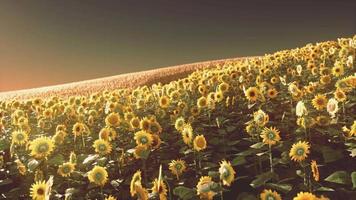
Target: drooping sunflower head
227 173
102 147
19 137
143 138
38 190
177 167
41 147
187 134
199 143
141 151
136 180
319 102
98 175
252 94
305 196
270 195
299 151
270 135
66 169
315 170
160 188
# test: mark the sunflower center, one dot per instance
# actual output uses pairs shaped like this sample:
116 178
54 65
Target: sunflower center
20 137
300 152
102 147
178 166
270 197
252 94
271 135
40 191
98 176
225 172
43 148
143 140
66 169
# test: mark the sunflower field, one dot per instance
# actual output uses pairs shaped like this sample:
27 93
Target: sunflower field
278 126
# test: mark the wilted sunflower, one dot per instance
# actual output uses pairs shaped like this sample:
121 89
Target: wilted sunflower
270 195
66 169
299 151
199 143
177 167
227 173
187 134
102 147
19 137
143 138
203 188
38 190
305 196
270 135
113 120
98 175
160 188
136 180
41 147
319 102
252 94
315 170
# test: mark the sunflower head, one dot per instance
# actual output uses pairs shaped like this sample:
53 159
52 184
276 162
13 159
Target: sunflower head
41 147
202 102
305 196
179 123
110 197
272 93
38 190
102 147
113 120
270 136
98 175
164 101
19 137
319 102
340 95
270 195
141 151
143 138
260 117
177 167
66 169
252 94
199 143
299 151
187 134
315 170
227 173
203 188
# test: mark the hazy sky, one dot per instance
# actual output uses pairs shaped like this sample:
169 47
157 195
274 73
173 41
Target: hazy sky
51 42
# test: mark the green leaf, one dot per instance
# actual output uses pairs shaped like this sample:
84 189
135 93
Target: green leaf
325 189
257 145
4 144
184 192
90 159
285 188
239 160
58 159
330 155
262 179
214 174
353 179
340 177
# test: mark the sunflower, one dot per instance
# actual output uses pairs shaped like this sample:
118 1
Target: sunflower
305 196
135 122
260 117
187 134
102 147
159 188
66 169
202 102
98 175
340 95
38 190
78 129
113 119
199 143
145 124
155 128
136 180
272 93
252 94
143 138
203 188
227 173
299 151
223 87
179 123
41 147
110 197
270 135
21 167
141 151
142 193
270 195
177 167
315 170
319 102
164 101
219 96
338 70
19 137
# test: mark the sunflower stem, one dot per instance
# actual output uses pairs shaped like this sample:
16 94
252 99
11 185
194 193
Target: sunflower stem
221 192
144 171
270 158
169 188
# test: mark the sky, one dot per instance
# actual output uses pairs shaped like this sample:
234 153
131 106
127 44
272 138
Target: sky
45 43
